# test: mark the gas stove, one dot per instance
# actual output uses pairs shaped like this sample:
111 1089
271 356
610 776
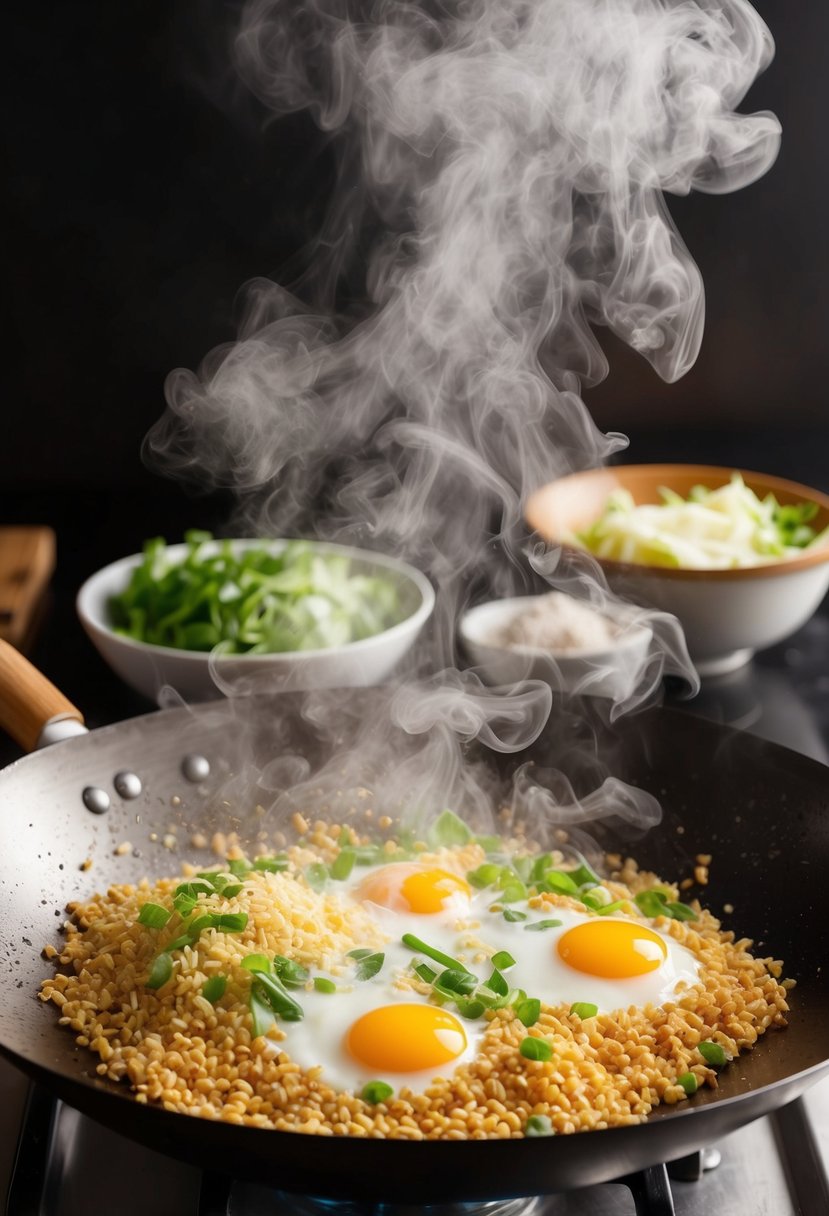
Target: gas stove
64 1164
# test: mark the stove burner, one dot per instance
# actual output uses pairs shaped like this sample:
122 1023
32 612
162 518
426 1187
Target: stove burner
55 1144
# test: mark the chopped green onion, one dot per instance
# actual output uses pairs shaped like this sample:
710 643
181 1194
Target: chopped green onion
536 1049
425 972
448 829
239 866
453 980
502 960
584 1009
292 973
538 1125
712 1053
154 916
271 865
511 914
376 1091
178 943
316 875
688 1082
584 874
369 965
489 844
469 1007
497 983
368 854
513 892
414 943
485 876
322 984
230 922
160 971
655 903
278 997
538 925
362 952
261 1012
540 866
559 883
214 989
609 909
252 598
344 838
343 864
256 962
528 1011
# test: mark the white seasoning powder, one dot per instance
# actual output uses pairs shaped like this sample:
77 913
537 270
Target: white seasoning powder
559 623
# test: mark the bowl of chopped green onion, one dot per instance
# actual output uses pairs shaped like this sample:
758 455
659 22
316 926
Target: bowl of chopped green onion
212 616
741 559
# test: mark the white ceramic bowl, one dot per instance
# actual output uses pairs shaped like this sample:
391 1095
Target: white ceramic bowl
612 673
147 668
726 614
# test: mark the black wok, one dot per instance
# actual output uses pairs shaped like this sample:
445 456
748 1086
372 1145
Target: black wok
763 811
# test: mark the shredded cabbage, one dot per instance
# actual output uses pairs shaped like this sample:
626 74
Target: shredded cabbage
251 601
710 530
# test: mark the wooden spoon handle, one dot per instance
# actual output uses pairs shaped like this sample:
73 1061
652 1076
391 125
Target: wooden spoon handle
27 699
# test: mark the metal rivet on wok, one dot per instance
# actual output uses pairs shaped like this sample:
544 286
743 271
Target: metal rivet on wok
195 768
127 784
95 800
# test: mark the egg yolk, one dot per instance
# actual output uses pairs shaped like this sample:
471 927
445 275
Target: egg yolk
613 949
405 1038
412 888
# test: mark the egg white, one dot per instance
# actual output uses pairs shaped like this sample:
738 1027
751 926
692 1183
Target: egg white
460 930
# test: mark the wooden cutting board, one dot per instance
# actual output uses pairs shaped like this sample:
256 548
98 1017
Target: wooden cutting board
27 559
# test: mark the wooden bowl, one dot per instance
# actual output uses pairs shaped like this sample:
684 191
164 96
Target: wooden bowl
726 614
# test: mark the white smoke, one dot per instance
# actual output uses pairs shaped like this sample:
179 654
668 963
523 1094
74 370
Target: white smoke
505 163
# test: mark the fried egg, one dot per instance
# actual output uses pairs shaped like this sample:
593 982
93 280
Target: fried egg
379 1030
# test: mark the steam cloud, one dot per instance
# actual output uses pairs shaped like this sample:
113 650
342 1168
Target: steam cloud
504 163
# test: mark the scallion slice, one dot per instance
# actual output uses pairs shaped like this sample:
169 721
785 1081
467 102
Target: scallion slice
160 971
214 989
278 997
343 864
369 965
712 1053
584 1009
321 984
688 1082
414 943
154 916
292 973
316 875
512 914
486 875
538 925
502 961
425 972
448 829
376 1091
538 1125
528 1011
536 1049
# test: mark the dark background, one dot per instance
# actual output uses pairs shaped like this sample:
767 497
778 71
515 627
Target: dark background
144 188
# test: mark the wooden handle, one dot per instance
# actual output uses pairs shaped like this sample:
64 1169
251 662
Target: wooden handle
27 559
27 700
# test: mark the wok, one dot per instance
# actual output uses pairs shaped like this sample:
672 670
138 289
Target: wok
759 808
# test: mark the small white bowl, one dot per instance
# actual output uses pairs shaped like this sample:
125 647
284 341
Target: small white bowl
612 673
147 668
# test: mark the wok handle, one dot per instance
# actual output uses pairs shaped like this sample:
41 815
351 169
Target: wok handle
29 703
